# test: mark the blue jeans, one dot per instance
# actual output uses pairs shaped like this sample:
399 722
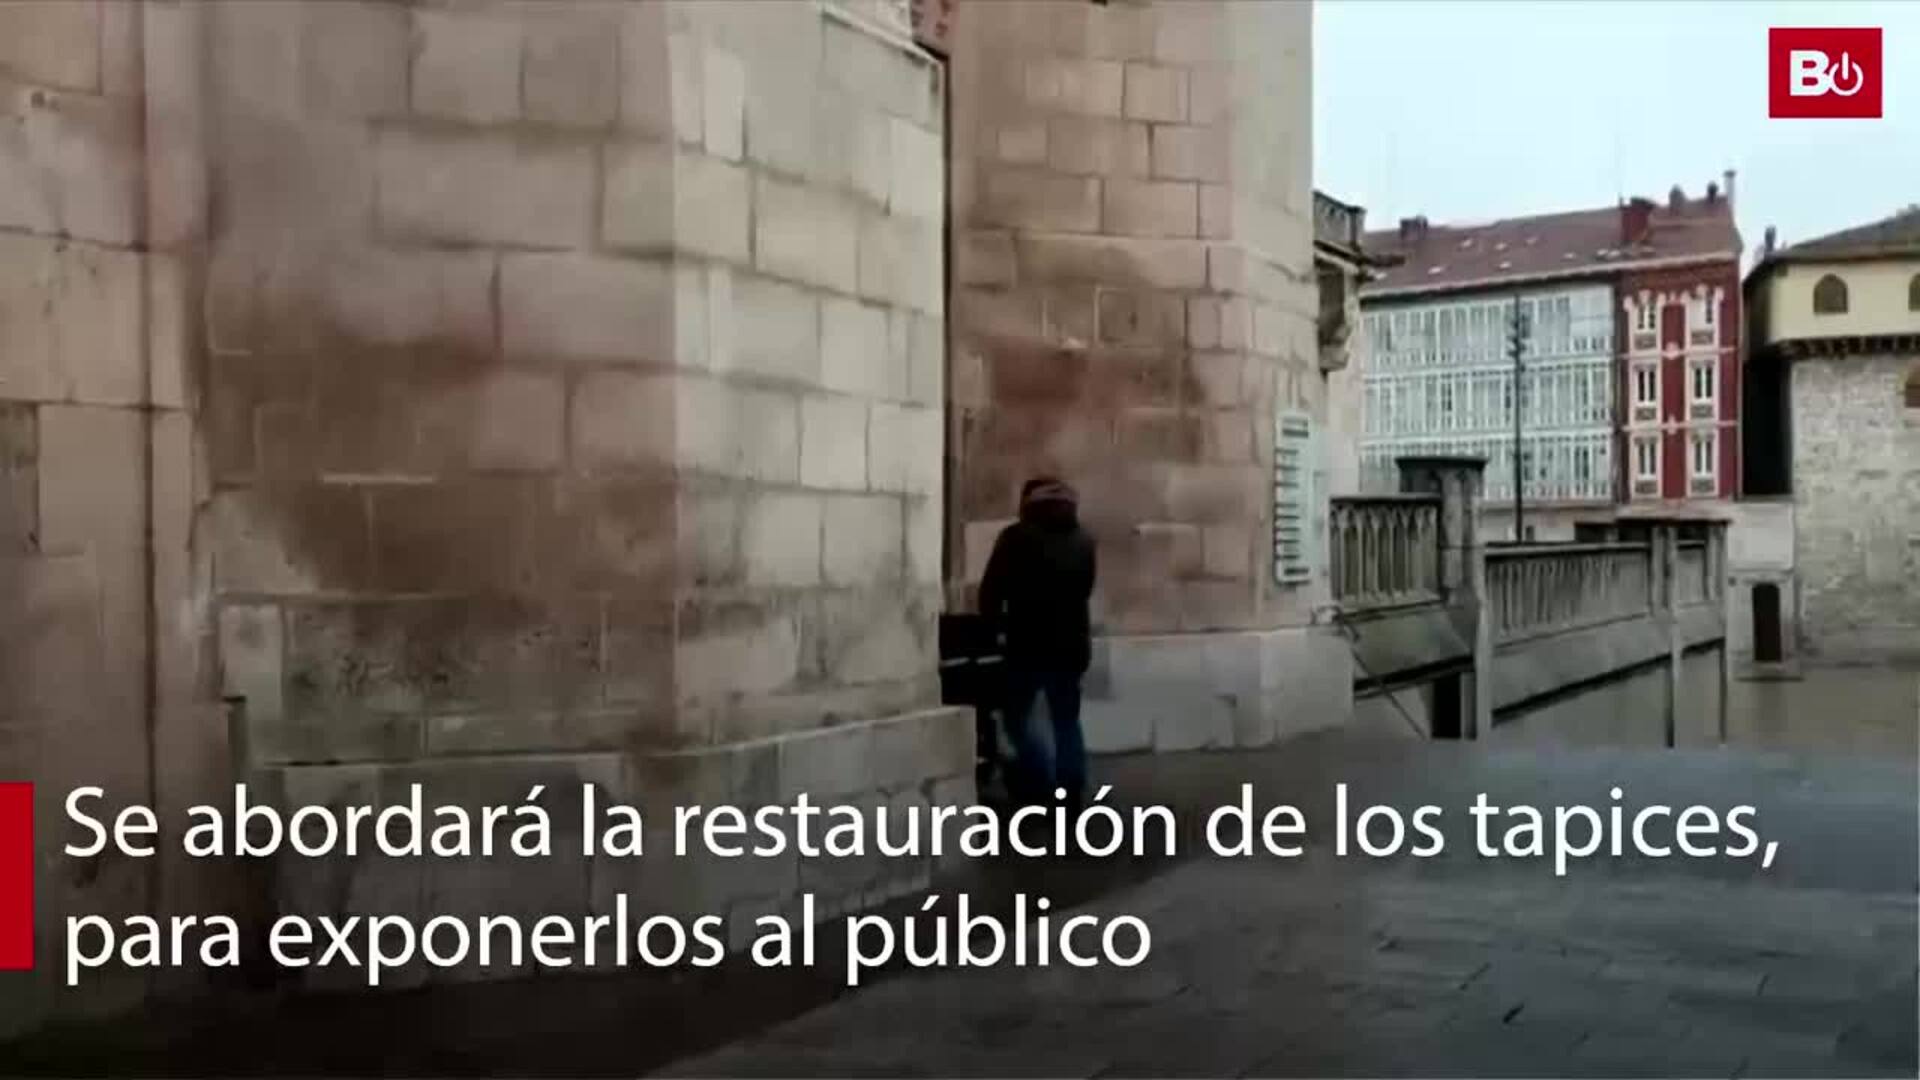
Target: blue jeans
1064 763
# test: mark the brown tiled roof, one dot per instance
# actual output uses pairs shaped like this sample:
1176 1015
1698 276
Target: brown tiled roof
1574 244
1896 234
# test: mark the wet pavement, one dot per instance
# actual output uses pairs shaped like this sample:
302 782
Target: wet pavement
1466 966
1318 965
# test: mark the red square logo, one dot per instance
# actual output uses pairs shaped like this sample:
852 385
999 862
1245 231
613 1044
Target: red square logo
1823 72
16 877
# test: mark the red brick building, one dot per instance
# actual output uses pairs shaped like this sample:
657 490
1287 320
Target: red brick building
1632 381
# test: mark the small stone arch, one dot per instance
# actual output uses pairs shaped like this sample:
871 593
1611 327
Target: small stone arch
1830 296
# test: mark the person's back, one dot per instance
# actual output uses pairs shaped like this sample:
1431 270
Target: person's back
1037 587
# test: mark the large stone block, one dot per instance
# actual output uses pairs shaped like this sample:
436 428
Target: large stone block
900 261
69 322
854 348
54 44
1097 146
904 449
879 71
1151 208
1185 152
571 73
1156 93
1119 261
984 257
775 329
518 421
864 539
769 436
387 297
917 187
780 539
1066 84
357 55
736 649
91 478
1032 199
584 307
723 83
70 164
623 419
833 443
466 65
806 234
659 199
486 189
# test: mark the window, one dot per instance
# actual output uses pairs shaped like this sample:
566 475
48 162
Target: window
1702 381
1647 317
1646 458
1913 385
1830 296
1913 294
1704 445
1646 386
1709 307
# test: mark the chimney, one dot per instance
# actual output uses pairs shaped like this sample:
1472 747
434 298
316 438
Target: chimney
1635 216
1413 229
1772 237
1727 185
1713 192
1676 198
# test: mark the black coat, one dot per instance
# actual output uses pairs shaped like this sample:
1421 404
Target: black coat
1037 587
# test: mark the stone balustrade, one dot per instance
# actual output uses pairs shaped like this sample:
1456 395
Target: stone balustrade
1385 549
1543 588
1693 584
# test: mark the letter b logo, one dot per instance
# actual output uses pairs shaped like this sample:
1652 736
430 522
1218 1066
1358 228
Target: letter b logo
1823 72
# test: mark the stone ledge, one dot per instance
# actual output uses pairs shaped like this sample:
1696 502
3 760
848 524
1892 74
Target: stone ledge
1232 690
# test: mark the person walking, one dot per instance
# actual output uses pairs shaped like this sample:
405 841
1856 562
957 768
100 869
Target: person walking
1036 590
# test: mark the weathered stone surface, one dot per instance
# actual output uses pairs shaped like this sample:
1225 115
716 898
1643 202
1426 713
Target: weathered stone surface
69 163
806 234
1151 208
833 443
657 199
775 329
69 322
466 65
486 189
584 307
623 419
571 72
780 539
863 540
91 490
518 421
52 44
1156 93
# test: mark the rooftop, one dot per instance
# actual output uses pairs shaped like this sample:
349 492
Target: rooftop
1895 234
1441 257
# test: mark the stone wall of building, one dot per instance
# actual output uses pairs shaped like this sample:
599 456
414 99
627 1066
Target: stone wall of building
540 394
1856 481
1134 305
97 649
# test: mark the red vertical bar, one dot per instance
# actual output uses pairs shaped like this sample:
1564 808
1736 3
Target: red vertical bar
16 877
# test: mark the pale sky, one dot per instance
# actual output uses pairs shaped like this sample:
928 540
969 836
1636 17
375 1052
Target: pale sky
1479 110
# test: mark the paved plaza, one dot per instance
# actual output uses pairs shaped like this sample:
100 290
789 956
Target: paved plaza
1457 965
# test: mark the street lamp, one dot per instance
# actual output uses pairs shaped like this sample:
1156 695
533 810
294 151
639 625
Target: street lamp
1516 344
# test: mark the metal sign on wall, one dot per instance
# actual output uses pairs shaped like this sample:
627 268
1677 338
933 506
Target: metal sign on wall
1292 498
933 25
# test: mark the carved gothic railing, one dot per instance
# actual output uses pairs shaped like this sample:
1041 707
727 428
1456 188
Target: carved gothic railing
1545 588
1385 549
